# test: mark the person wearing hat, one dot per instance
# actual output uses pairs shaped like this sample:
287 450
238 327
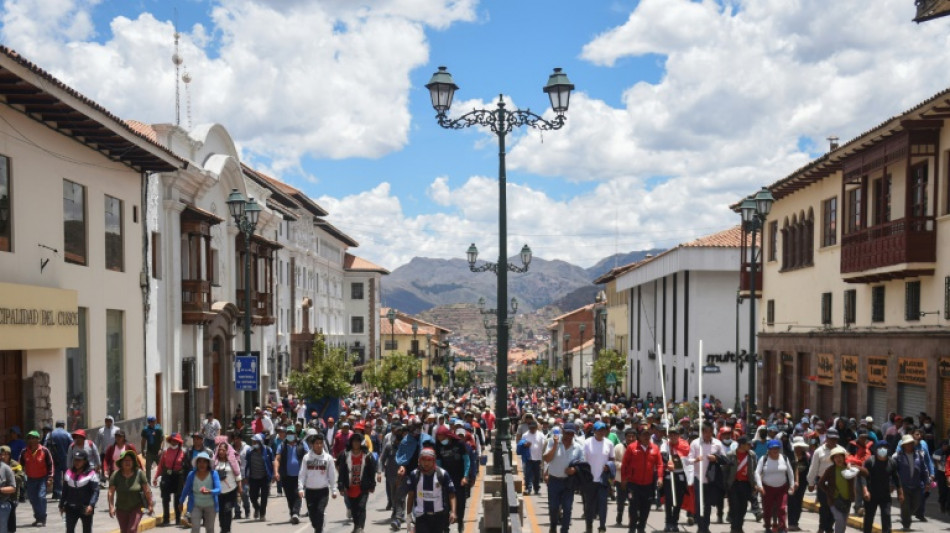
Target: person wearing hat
317 480
673 452
202 488
341 439
80 492
878 480
561 452
171 473
151 445
838 488
105 438
387 462
357 479
37 464
431 495
228 467
114 452
128 490
58 445
453 455
258 474
775 478
598 453
801 461
407 458
197 447
641 475
820 462
630 436
914 477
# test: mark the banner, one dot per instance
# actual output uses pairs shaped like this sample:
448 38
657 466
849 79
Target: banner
849 368
912 371
826 369
877 371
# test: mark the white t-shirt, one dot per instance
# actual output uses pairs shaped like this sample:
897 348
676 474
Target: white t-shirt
536 441
598 453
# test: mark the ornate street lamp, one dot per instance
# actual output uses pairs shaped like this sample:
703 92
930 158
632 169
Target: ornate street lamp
568 366
501 121
754 211
245 214
391 315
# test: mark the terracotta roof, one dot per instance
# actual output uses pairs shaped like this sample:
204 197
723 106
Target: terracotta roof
403 325
358 264
145 130
48 100
729 238
575 311
292 195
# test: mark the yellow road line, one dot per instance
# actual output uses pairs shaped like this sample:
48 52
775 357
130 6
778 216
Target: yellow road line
529 506
473 503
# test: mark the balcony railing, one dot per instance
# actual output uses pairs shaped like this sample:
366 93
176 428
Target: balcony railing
745 277
195 300
907 240
262 306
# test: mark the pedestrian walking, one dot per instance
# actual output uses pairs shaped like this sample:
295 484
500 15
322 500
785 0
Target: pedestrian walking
838 489
452 455
151 445
561 452
170 477
80 492
802 462
80 442
535 442
287 463
598 453
37 463
941 475
112 454
388 466
820 462
641 474
7 489
202 488
258 475
706 455
105 438
881 479
357 478
407 457
630 436
317 480
210 429
129 493
673 452
226 465
775 477
914 477
740 481
58 445
240 450
430 498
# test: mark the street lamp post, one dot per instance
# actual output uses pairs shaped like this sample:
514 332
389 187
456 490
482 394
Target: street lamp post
415 353
568 364
391 315
501 121
245 214
582 327
754 212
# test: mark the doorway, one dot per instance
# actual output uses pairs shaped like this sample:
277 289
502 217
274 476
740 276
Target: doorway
11 389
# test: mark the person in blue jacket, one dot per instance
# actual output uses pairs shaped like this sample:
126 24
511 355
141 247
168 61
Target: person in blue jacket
201 494
258 473
407 457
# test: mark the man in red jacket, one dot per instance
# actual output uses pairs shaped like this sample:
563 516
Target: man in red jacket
38 466
640 474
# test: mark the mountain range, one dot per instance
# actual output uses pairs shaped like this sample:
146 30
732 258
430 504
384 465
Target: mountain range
425 283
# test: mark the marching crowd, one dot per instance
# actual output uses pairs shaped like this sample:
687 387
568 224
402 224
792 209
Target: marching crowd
427 452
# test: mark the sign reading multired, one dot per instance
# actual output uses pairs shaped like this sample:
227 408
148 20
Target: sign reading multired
246 372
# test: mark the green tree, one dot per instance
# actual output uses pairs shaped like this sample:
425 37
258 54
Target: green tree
607 362
328 373
463 378
439 375
395 371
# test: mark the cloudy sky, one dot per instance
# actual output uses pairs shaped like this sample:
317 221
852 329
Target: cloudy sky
681 106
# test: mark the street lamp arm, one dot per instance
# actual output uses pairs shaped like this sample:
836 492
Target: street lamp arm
485 267
518 269
501 120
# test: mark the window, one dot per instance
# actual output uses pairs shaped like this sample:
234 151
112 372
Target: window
912 301
114 254
946 298
770 312
877 303
391 345
213 266
6 206
850 307
918 190
826 308
882 200
115 353
773 240
76 379
798 238
356 324
74 223
829 222
854 210
414 347
356 291
156 255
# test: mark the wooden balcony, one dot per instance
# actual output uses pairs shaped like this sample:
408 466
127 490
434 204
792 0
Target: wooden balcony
897 249
745 277
196 302
262 307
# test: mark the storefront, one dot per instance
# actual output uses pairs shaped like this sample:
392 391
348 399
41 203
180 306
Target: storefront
877 388
37 324
826 379
911 386
943 422
848 372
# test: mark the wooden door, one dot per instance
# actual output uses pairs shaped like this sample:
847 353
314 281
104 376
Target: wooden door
11 389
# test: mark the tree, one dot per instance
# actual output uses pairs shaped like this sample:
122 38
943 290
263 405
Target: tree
439 375
395 371
328 373
463 378
607 362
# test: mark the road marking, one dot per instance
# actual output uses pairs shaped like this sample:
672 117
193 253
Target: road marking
528 505
474 502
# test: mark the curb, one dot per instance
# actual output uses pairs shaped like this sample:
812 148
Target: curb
853 521
148 522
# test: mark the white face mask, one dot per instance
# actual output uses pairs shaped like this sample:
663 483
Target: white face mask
882 452
174 446
445 442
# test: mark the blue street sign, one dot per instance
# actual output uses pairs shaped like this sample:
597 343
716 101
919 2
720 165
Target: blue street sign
246 372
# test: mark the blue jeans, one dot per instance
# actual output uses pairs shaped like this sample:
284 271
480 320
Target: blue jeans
596 503
532 476
36 492
5 509
560 502
58 474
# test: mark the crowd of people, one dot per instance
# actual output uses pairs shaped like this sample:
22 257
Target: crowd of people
698 462
697 458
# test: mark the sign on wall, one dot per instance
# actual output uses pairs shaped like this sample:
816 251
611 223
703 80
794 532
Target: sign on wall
849 368
912 371
877 371
34 317
826 369
943 368
246 372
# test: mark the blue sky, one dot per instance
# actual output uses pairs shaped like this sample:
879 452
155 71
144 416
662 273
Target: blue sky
682 106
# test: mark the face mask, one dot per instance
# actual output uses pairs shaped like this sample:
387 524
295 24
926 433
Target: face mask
291 438
445 442
174 446
727 442
882 452
256 446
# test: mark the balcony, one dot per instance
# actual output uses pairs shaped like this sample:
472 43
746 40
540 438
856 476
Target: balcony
745 276
195 301
897 249
262 307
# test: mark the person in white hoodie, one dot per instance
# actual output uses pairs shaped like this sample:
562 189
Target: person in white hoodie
317 480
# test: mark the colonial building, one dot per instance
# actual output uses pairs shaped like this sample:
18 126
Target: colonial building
408 335
674 300
857 274
73 275
571 349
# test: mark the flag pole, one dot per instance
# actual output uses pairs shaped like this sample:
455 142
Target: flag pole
702 475
666 406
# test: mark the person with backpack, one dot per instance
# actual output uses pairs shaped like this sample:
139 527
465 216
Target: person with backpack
171 470
431 495
739 469
775 478
258 474
287 463
38 465
452 455
880 472
58 445
914 476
